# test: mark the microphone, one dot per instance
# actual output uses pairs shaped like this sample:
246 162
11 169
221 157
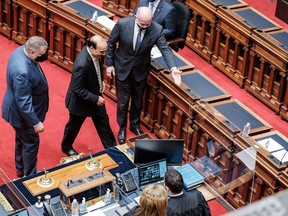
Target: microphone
281 162
90 154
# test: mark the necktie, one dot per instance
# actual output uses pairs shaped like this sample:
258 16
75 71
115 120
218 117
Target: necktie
138 40
98 72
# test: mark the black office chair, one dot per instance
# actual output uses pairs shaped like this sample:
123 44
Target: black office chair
183 16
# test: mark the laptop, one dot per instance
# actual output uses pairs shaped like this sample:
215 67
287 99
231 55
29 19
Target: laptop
151 173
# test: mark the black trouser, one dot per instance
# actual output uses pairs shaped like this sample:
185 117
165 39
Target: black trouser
101 123
129 88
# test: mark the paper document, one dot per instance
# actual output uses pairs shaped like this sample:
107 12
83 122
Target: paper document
270 145
281 155
155 52
105 21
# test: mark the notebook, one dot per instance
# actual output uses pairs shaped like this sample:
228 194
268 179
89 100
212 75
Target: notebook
152 172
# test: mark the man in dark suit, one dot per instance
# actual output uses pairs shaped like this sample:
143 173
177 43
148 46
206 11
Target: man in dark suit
84 96
25 102
181 202
163 13
131 62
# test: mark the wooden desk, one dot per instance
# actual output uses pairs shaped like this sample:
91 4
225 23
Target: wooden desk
267 75
270 176
151 97
29 18
233 41
284 108
175 104
6 18
122 8
67 173
67 29
202 27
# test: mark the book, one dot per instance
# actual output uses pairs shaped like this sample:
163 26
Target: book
190 176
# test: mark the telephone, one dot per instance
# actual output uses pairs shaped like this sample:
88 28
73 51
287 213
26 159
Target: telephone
126 181
55 209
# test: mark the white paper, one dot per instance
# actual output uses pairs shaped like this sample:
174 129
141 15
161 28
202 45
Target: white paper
105 21
281 155
270 145
155 52
137 199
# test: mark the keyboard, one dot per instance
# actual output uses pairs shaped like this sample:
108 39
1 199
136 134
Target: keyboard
57 209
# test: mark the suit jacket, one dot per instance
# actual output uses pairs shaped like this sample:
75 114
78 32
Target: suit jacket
125 59
165 15
84 90
25 102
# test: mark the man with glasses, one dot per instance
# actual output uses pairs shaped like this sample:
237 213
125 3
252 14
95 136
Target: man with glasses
84 96
25 102
130 62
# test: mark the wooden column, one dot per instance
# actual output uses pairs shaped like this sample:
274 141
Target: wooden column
217 42
251 67
261 75
202 34
236 53
226 49
271 80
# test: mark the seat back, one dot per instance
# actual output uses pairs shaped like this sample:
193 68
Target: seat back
183 16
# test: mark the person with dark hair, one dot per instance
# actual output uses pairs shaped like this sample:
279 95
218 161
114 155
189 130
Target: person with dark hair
183 203
153 202
163 13
25 102
128 58
84 96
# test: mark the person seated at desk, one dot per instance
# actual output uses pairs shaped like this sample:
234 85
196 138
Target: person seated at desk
163 13
181 203
153 202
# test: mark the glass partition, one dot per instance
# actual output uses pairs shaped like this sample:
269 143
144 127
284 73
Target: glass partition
227 164
12 202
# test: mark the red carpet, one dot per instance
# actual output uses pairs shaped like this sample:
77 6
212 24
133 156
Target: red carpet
50 151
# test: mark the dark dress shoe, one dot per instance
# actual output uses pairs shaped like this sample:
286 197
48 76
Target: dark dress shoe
19 174
121 137
70 152
136 131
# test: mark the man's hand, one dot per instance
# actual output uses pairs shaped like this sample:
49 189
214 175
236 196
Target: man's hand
103 87
39 128
110 71
100 101
176 76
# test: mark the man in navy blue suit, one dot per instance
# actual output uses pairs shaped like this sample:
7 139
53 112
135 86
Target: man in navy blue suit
26 102
164 14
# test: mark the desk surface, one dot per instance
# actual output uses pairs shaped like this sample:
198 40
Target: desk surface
113 152
239 114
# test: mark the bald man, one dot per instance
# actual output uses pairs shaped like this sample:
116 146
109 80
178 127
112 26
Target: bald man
84 96
131 61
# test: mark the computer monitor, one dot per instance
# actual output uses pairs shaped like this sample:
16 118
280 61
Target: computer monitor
149 150
152 172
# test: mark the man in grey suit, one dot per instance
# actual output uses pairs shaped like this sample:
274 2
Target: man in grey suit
163 13
130 62
84 96
26 102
